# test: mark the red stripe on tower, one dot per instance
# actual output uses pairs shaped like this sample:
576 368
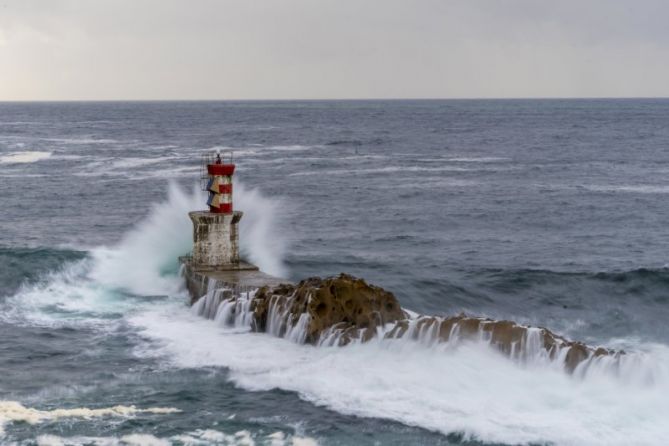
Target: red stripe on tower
221 202
221 169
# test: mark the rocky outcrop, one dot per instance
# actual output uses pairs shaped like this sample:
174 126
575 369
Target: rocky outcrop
337 311
508 337
344 303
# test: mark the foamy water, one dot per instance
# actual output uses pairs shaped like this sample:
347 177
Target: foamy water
13 411
194 438
469 388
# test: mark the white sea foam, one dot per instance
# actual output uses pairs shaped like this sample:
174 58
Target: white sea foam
640 188
15 412
145 262
200 437
23 175
126 440
24 157
467 387
69 157
480 159
65 298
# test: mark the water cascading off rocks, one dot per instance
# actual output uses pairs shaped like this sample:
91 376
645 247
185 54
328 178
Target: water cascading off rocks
338 311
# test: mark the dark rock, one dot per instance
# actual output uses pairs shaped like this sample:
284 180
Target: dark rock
344 301
344 309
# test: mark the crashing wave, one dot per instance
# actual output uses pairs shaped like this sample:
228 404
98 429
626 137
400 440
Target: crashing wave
342 310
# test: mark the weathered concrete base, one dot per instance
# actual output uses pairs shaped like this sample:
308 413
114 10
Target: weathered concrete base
240 277
215 238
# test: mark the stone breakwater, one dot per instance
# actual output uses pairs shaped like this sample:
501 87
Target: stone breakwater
342 310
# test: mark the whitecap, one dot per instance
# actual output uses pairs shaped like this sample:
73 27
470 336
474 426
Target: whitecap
200 437
15 412
639 188
24 157
480 159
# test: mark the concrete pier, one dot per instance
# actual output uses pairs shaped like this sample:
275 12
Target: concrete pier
240 278
215 261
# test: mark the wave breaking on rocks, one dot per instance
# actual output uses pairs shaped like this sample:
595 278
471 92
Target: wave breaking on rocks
342 310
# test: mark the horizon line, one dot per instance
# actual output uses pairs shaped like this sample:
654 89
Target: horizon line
530 98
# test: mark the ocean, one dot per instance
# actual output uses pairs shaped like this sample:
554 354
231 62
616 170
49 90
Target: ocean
550 213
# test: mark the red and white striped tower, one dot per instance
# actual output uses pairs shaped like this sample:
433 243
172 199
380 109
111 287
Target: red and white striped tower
215 232
220 186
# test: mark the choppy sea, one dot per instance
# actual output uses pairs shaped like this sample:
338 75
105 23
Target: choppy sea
550 213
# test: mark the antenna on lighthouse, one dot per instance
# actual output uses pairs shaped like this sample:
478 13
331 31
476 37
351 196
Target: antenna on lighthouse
212 157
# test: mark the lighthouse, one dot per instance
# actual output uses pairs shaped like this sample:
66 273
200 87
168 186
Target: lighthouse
215 231
214 263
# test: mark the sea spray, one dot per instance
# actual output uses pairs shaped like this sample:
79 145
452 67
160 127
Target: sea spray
262 229
143 263
199 437
65 297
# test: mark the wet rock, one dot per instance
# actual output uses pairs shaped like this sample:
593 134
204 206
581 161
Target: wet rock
398 330
446 328
345 301
504 334
337 311
577 353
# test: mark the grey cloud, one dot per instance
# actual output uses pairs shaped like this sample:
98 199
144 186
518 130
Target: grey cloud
236 49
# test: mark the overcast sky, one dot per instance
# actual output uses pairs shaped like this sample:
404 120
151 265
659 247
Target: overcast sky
283 49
